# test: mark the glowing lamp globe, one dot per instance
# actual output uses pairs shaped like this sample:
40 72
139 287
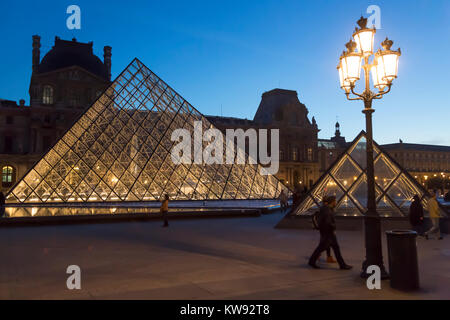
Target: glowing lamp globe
344 84
350 63
377 71
389 60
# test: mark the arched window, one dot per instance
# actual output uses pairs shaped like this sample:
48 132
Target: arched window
7 176
47 97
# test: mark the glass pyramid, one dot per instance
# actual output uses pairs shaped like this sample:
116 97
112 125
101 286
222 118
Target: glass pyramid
119 150
346 179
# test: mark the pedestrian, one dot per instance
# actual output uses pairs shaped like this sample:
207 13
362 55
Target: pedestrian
433 211
316 227
295 198
2 204
447 197
416 215
327 228
165 209
330 258
283 200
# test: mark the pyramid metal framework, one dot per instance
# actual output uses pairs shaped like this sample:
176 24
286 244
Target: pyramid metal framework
119 150
346 179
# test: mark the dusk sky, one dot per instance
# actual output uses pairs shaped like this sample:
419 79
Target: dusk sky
222 55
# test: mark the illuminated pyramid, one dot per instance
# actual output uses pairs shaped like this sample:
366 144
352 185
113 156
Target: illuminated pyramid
119 150
346 179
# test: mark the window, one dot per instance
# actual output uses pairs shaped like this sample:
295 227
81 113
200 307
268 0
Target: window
75 99
7 176
294 154
281 155
310 154
47 97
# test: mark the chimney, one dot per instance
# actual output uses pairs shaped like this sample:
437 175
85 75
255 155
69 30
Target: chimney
36 52
22 103
107 60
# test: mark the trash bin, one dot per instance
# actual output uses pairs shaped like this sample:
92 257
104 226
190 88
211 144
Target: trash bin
403 265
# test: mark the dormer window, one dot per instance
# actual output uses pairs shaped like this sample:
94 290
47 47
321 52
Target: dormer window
47 97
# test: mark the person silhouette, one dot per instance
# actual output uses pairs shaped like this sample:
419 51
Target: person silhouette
2 204
327 227
165 209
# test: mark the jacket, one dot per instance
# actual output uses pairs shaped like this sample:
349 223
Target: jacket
164 205
433 208
327 224
416 213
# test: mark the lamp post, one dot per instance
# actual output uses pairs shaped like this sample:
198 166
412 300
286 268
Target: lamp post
384 67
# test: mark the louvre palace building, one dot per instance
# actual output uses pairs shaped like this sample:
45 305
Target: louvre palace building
69 78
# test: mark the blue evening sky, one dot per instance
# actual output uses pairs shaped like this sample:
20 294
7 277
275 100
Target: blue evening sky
222 55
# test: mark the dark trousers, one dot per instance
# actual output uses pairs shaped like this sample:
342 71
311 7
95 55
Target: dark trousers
164 215
419 229
327 241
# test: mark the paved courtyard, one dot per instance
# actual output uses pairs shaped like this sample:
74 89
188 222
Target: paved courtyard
239 258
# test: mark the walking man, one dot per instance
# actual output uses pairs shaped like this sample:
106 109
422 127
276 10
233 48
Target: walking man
416 215
165 209
433 210
327 228
283 200
2 204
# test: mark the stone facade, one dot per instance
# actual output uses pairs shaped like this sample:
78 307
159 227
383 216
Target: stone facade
65 82
281 109
70 77
330 149
428 164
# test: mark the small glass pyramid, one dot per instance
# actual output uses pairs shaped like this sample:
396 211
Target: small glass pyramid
346 179
119 150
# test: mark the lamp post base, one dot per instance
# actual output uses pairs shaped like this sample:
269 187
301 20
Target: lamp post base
374 251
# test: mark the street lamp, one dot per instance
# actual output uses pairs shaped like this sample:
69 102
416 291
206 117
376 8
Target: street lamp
384 68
